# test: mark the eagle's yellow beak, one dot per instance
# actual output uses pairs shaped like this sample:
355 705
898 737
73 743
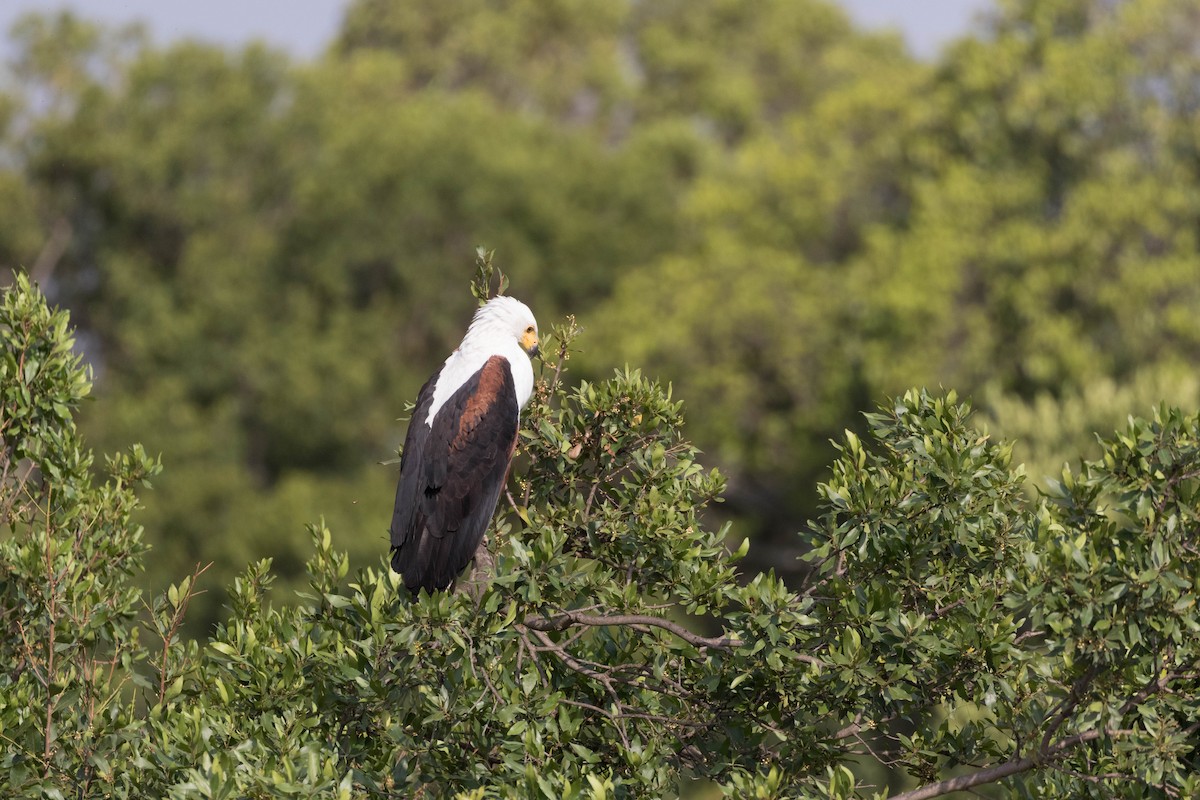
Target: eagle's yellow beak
530 343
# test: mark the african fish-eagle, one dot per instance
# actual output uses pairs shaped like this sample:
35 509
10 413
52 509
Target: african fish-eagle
459 445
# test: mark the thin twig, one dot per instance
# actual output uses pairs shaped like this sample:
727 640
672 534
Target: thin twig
575 665
1068 704
52 610
172 630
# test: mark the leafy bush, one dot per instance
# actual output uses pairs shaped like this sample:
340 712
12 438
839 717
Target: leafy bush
610 648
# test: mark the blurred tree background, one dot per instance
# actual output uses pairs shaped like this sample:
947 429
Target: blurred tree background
782 215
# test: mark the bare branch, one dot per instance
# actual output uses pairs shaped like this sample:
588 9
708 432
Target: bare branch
567 619
479 577
853 729
1001 771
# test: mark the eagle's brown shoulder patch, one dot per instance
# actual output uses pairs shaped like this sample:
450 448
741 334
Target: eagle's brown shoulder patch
491 385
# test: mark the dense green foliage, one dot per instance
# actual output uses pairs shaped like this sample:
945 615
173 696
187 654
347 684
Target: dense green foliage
948 620
778 220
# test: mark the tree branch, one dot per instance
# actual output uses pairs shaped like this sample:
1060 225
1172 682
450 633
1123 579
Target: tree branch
51 649
1000 771
1069 703
169 633
560 622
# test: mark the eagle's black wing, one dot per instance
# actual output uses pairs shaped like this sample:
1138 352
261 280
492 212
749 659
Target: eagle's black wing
451 476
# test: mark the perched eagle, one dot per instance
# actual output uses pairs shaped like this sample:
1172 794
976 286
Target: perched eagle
459 446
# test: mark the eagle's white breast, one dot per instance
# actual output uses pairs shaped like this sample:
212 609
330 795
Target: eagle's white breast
495 331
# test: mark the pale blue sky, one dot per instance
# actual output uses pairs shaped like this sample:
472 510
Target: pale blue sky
304 27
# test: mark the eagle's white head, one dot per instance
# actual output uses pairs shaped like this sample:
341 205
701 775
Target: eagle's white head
504 326
500 318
